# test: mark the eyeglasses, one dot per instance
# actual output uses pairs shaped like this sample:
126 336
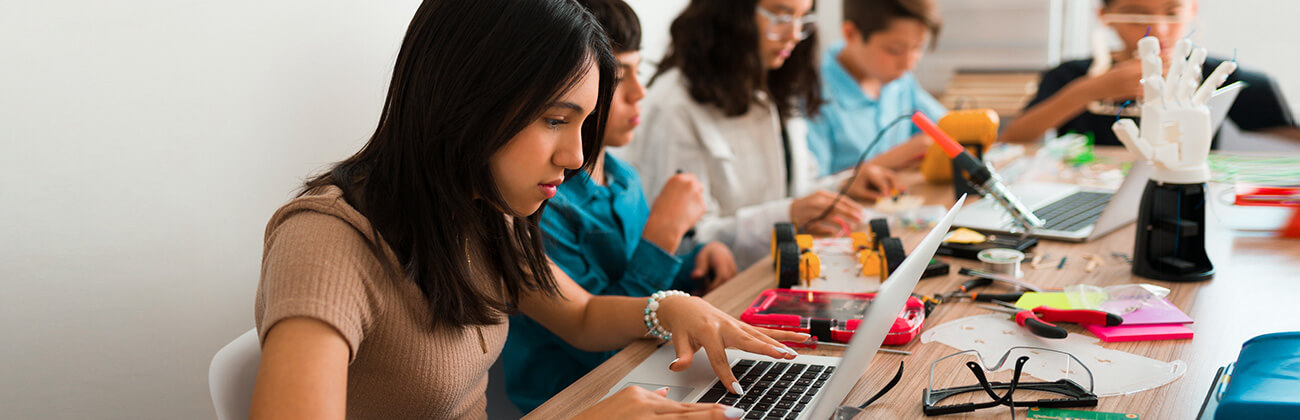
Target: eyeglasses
1067 382
1138 19
780 25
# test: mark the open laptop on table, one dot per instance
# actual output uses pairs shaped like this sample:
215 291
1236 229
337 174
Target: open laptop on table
1070 212
806 387
1076 214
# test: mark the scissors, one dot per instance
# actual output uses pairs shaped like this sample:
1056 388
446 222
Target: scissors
1040 320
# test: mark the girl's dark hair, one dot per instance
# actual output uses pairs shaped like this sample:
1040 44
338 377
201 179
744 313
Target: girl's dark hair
871 16
715 46
470 75
620 23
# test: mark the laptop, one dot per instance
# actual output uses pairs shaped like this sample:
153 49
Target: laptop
1077 214
1070 212
806 387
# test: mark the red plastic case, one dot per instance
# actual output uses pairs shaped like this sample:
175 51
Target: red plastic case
834 315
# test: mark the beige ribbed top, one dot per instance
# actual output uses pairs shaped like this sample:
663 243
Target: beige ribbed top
316 263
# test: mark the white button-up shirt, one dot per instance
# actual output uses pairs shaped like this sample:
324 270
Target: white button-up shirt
740 160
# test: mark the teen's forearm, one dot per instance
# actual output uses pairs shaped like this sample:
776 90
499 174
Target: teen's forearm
586 321
904 154
1292 133
1051 113
608 323
662 234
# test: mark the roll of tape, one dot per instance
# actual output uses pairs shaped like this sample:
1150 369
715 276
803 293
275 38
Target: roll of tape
1002 261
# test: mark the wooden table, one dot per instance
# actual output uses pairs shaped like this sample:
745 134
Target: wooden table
1252 292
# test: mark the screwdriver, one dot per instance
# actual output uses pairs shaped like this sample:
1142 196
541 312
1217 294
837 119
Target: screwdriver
966 287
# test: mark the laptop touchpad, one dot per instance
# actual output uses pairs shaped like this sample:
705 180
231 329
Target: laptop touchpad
675 392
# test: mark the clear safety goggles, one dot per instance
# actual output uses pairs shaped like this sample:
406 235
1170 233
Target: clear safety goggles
1064 381
781 25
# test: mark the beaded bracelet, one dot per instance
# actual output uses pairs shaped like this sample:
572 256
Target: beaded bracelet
652 314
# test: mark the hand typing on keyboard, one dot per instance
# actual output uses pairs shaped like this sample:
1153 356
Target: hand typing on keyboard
695 323
774 390
637 403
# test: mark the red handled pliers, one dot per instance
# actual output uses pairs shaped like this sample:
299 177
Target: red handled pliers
1040 320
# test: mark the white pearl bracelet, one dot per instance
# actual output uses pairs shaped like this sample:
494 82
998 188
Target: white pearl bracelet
651 314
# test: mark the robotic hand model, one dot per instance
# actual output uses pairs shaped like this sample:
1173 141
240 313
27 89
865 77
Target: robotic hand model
1175 137
1176 129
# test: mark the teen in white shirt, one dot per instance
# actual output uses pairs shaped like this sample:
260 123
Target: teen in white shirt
727 105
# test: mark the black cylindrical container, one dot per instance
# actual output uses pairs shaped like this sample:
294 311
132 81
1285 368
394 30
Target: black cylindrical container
1170 243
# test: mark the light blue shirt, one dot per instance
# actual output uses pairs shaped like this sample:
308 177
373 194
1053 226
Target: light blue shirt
850 119
593 233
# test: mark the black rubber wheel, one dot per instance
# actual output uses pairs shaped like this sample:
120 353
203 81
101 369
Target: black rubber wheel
879 230
894 254
781 233
787 265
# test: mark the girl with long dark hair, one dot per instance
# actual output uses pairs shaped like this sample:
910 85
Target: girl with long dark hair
728 104
387 283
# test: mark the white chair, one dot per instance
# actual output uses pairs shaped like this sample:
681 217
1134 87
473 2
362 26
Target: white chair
232 374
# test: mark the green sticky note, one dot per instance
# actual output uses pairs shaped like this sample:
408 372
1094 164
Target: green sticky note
1033 300
1041 413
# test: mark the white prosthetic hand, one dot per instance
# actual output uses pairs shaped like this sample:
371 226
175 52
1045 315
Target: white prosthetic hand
1176 128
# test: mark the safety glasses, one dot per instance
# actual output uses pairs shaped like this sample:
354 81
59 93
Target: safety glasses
1064 381
779 26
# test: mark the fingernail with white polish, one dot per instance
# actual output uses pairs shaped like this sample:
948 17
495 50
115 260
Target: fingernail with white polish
673 363
735 386
733 412
782 350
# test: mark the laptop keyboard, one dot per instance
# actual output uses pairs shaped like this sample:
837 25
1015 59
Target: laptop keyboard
773 390
1074 212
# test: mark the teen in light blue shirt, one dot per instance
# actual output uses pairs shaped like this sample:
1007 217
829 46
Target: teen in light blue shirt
868 82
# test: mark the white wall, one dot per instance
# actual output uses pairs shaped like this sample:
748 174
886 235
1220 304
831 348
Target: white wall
1263 32
145 145
655 17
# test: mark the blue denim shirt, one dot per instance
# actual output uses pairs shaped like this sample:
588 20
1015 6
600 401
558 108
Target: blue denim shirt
593 233
850 119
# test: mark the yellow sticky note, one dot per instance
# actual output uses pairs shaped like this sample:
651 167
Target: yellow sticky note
1033 300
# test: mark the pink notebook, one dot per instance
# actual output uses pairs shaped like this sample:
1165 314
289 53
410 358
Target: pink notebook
1140 332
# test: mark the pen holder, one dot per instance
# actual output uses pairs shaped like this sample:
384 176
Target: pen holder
1170 243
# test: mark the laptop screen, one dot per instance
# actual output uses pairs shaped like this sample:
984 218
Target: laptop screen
880 316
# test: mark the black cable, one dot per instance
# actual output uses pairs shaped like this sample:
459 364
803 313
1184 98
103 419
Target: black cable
844 189
897 376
